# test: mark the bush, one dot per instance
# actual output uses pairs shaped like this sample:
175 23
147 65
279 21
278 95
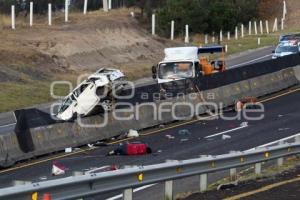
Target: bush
205 16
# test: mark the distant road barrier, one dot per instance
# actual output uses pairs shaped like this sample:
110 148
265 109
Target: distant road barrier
125 179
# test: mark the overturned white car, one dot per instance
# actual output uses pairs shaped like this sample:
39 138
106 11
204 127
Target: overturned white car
95 91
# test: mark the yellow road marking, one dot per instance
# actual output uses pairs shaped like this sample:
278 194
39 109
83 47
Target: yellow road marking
45 160
262 189
280 95
127 139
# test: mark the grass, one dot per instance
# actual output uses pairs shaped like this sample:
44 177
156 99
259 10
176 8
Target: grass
250 42
17 95
246 43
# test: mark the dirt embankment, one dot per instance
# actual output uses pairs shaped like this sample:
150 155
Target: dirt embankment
293 13
31 58
84 44
269 9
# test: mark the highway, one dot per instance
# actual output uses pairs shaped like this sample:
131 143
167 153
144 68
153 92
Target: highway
281 120
205 138
249 57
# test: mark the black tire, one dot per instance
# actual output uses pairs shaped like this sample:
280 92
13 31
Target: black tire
107 105
74 117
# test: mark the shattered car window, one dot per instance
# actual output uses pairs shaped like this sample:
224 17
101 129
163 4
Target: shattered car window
65 104
80 89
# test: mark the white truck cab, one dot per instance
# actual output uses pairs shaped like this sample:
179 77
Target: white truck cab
184 62
179 63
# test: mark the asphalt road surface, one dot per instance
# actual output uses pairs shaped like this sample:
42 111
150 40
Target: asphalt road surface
281 119
250 57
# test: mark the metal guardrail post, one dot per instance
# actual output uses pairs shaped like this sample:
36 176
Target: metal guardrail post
20 182
233 175
168 190
280 160
127 194
77 173
203 182
258 168
232 171
297 139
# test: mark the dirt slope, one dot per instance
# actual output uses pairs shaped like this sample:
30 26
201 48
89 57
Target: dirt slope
31 58
85 43
293 13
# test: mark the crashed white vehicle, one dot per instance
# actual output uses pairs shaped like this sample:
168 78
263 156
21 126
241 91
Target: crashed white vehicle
94 91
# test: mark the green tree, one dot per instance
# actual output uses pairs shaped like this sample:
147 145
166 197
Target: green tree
183 12
205 16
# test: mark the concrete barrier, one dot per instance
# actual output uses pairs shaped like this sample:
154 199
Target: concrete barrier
57 136
297 72
10 150
7 118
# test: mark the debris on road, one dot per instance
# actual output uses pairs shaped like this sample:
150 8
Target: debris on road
135 148
246 102
244 124
225 137
90 145
76 149
132 133
184 140
68 150
170 137
161 126
184 132
100 143
57 169
43 178
283 129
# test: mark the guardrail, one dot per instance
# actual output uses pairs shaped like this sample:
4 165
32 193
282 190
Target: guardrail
91 184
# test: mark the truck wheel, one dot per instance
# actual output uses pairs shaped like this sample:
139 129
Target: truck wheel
107 105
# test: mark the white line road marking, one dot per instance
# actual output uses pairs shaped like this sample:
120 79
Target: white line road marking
15 117
228 131
135 190
274 142
250 61
7 125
